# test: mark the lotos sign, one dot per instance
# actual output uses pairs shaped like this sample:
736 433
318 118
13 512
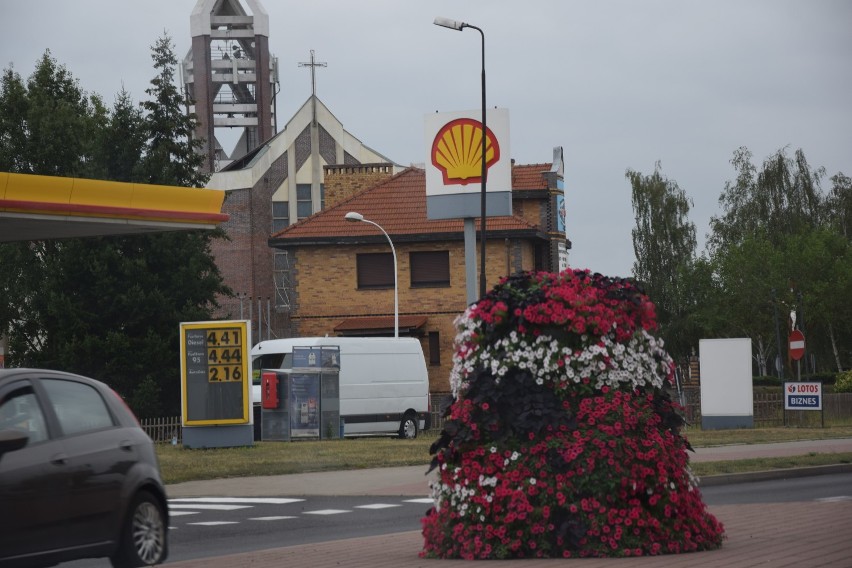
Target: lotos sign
802 396
454 164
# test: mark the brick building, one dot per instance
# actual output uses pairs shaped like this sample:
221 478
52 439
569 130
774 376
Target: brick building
340 273
271 187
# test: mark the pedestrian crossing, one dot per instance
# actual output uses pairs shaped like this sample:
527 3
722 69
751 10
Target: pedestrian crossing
208 506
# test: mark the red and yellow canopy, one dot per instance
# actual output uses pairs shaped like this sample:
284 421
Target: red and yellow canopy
36 207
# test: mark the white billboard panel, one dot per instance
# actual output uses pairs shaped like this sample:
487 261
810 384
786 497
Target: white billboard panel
727 399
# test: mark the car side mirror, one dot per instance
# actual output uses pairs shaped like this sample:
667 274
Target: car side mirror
11 440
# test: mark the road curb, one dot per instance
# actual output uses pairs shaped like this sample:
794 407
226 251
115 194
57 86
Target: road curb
773 474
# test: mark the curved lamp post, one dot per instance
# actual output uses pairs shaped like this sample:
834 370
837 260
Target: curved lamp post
355 217
456 25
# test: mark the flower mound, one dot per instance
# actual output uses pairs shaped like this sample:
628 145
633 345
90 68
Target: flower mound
562 441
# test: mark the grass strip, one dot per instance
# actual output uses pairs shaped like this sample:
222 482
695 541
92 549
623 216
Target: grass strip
179 464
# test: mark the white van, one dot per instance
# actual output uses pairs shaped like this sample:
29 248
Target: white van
384 386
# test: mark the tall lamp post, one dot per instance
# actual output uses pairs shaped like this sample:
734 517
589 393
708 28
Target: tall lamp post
456 25
355 217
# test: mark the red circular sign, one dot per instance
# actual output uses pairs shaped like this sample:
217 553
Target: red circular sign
797 345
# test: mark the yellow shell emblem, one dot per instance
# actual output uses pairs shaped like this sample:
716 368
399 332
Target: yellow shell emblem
457 151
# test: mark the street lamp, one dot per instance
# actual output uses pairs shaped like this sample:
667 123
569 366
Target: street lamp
459 26
355 217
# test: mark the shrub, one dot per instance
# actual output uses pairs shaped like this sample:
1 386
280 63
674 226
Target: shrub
825 378
765 381
843 382
562 441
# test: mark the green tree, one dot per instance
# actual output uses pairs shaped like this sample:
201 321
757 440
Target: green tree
839 205
748 272
109 307
120 144
783 198
172 154
664 244
779 231
46 127
819 265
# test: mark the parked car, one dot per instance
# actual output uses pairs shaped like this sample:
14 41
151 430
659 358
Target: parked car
79 478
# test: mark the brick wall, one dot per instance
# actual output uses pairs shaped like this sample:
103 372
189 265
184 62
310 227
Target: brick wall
245 259
327 292
344 181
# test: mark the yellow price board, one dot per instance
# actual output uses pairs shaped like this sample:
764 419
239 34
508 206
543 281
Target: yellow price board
216 380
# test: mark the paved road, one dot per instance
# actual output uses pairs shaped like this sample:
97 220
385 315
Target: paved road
803 533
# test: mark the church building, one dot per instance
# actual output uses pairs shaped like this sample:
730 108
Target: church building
272 178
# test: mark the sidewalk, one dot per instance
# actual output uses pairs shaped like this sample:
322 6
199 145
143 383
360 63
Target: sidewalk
806 534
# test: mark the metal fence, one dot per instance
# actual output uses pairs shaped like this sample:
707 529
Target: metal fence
768 410
163 429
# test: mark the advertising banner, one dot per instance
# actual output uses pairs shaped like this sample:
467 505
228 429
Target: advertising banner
802 396
304 405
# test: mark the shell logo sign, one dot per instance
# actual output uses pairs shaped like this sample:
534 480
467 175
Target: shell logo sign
457 151
453 142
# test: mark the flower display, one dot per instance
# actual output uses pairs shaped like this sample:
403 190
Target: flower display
561 440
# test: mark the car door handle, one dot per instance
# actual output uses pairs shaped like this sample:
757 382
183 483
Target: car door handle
59 459
126 445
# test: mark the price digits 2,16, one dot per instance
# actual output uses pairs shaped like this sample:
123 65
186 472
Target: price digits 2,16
224 360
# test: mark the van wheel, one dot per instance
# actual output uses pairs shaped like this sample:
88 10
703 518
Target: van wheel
143 536
408 426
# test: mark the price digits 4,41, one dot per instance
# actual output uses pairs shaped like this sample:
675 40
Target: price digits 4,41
217 337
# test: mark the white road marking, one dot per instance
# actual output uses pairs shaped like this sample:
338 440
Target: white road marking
258 500
281 518
377 506
421 500
214 523
181 513
327 512
838 499
208 507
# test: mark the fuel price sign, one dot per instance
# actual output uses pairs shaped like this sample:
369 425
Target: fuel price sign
215 377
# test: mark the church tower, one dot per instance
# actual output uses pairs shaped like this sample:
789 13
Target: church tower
231 78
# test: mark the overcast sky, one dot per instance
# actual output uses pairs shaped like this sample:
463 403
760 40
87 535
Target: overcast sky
618 84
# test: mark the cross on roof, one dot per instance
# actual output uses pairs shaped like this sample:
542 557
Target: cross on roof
313 65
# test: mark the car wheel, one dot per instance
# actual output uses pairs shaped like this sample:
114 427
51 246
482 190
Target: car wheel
143 537
408 426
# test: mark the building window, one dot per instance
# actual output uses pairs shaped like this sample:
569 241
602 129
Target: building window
430 269
280 215
375 270
434 349
304 208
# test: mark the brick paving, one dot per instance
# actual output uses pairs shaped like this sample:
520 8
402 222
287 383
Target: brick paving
800 535
809 534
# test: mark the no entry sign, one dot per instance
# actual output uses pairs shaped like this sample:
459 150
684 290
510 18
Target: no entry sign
797 345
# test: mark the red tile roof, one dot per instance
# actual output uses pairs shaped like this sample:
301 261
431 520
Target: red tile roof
398 205
530 176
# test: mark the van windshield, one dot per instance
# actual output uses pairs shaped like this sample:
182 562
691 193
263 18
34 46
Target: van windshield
269 361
